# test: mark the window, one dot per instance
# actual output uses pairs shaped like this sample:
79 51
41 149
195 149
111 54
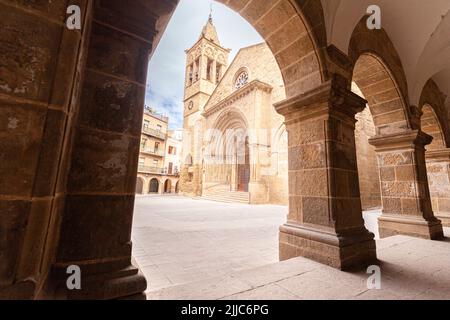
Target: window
191 74
146 124
197 68
218 73
155 163
174 151
159 127
142 161
170 150
209 70
241 80
143 143
156 146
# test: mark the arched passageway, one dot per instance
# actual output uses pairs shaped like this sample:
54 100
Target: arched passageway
154 186
369 178
399 143
168 186
81 170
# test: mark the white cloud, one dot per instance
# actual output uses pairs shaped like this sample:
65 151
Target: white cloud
165 83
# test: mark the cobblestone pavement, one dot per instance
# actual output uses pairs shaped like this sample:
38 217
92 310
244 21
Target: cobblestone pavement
177 240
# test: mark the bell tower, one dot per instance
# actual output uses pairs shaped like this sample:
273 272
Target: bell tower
206 63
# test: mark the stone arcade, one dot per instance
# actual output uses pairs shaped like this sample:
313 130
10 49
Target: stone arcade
68 167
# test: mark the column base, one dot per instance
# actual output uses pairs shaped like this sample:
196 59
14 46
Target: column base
414 226
19 291
125 283
345 252
444 217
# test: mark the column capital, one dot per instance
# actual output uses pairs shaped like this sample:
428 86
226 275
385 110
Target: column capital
409 139
441 155
329 96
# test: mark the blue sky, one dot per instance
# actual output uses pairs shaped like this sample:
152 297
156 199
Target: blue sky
165 82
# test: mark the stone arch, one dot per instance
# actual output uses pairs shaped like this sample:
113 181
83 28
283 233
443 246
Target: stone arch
372 53
431 125
434 120
154 186
140 185
231 119
115 48
168 186
295 32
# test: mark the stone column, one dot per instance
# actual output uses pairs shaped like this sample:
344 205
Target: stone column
325 218
438 169
41 63
404 186
97 214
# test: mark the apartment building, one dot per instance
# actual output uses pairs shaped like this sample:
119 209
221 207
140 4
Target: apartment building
159 162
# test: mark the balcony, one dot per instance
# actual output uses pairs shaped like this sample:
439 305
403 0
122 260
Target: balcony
155 133
148 169
153 152
158 170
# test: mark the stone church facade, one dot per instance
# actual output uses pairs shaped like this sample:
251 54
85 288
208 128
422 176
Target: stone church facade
235 142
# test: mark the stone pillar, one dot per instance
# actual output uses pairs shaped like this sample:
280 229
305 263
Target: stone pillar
96 224
161 187
404 186
438 169
41 63
325 218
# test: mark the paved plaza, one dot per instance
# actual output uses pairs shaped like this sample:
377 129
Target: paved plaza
178 240
410 268
199 249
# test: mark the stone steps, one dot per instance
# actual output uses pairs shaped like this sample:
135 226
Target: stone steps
228 196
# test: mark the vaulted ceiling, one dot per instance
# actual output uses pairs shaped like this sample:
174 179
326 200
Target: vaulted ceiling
419 30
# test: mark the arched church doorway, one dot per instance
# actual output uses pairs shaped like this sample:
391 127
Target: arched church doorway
154 186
